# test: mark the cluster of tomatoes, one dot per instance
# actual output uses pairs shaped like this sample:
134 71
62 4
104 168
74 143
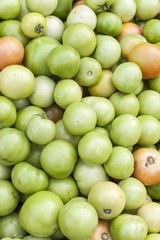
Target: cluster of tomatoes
80 119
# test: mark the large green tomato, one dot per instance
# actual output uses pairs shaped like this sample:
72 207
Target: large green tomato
123 159
99 5
128 227
28 179
103 108
39 213
36 53
12 27
128 124
74 120
63 87
65 188
64 61
107 198
94 148
10 9
40 130
8 112
74 36
58 158
151 30
149 103
14 146
124 103
34 155
86 176
135 192
154 191
127 77
107 50
17 82
77 219
9 197
43 7
10 226
146 10
63 8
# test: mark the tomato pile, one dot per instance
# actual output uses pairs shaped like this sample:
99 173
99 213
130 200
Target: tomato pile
80 119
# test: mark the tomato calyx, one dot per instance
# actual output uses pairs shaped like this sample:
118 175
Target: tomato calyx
104 236
150 160
107 211
104 8
39 28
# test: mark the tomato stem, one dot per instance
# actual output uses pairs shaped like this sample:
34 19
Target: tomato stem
39 28
107 211
104 236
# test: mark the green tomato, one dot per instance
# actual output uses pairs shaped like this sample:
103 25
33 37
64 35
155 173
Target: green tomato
108 23
86 176
42 95
120 164
107 51
33 24
9 198
103 108
150 130
39 213
125 9
63 8
154 83
154 191
5 172
65 188
40 130
89 72
150 212
128 227
82 14
43 7
34 155
30 237
77 219
10 9
94 148
28 179
21 103
146 10
151 30
17 82
36 53
153 236
124 103
10 226
8 112
63 87
128 124
99 5
135 192
74 120
14 146
25 114
127 77
24 9
64 61
58 158
149 103
74 37
12 27
107 198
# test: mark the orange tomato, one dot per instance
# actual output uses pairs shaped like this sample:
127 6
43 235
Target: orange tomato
11 51
147 166
128 28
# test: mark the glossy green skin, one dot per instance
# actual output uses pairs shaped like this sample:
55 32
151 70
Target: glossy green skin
63 8
10 9
36 54
10 226
14 146
64 61
28 179
12 27
127 226
8 201
42 208
151 30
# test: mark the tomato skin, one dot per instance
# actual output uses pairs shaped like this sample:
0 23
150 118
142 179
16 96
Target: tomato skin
11 51
10 9
147 166
63 8
147 56
129 28
146 10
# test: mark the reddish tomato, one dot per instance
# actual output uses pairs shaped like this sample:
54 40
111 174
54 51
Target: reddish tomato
147 166
128 28
11 51
147 56
101 231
